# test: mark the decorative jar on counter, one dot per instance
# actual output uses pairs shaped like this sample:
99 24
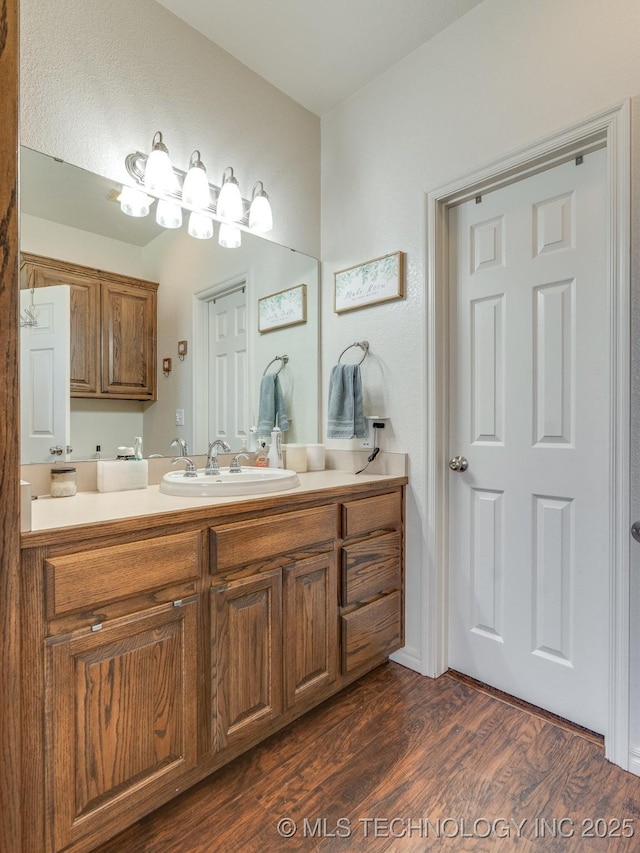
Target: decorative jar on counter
63 482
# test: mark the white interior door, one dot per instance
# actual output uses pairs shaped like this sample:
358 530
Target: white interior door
530 376
44 375
228 369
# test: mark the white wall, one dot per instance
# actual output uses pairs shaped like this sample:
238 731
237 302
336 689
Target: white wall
507 74
184 267
99 77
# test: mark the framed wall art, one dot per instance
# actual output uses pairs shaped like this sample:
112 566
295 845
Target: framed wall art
371 283
285 308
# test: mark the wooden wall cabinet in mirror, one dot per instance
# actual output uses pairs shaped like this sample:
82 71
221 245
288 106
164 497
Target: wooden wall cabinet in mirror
113 328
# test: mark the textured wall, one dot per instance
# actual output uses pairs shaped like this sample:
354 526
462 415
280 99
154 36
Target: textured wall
99 77
507 74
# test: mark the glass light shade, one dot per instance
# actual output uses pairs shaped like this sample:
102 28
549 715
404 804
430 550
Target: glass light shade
195 190
159 177
200 226
168 214
229 204
229 237
260 216
134 202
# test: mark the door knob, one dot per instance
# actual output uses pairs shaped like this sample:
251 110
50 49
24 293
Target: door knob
458 463
635 530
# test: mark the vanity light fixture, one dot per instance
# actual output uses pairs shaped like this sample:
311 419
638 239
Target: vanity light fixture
156 178
168 214
158 174
229 237
200 225
134 202
260 216
195 190
229 204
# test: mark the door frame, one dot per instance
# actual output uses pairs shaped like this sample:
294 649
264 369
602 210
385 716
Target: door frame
610 129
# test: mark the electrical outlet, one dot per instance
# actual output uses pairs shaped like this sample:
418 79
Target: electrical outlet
179 417
369 438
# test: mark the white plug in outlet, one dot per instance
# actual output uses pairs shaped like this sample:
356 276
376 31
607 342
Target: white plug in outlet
369 439
179 417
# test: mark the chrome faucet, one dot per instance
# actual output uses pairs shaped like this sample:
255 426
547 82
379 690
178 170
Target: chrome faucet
235 468
212 455
181 444
190 469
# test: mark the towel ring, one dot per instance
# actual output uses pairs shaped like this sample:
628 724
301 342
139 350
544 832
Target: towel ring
364 345
283 358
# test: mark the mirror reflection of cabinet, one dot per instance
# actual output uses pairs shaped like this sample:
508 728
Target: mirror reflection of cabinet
113 328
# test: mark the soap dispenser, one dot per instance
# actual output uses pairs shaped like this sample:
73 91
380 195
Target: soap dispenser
275 450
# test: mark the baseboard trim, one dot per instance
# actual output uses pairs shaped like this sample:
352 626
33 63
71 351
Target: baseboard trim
408 657
634 760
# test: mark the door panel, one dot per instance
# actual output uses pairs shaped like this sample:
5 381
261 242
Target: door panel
228 369
530 396
44 375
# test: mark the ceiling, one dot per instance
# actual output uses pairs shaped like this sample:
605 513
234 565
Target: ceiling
319 52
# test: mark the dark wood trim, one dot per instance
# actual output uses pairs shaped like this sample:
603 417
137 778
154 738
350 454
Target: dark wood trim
567 725
10 716
71 268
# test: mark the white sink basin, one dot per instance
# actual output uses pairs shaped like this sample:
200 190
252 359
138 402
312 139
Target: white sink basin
249 481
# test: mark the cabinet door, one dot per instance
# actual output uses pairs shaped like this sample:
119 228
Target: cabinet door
121 719
128 341
246 618
310 617
85 324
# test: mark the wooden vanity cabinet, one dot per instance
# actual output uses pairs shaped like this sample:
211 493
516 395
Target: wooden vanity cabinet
121 659
122 716
113 328
161 648
371 580
246 674
274 621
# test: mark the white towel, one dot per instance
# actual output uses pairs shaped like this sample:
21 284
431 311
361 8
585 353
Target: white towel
346 412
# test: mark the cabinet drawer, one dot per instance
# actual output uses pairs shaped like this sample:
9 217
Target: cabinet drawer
79 581
250 541
368 515
370 567
371 632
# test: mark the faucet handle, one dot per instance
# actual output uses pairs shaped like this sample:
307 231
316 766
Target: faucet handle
182 444
235 468
190 470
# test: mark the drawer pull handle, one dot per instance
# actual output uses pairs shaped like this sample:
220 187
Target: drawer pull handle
177 602
97 627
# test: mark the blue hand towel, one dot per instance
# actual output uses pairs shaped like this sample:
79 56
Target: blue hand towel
271 404
346 412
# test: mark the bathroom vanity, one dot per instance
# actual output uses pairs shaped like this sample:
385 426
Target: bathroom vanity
159 645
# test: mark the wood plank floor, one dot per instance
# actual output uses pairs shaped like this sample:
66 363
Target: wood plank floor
399 762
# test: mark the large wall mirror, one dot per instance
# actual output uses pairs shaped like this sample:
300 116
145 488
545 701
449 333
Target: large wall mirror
74 216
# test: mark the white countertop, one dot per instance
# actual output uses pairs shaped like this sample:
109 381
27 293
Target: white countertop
94 507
